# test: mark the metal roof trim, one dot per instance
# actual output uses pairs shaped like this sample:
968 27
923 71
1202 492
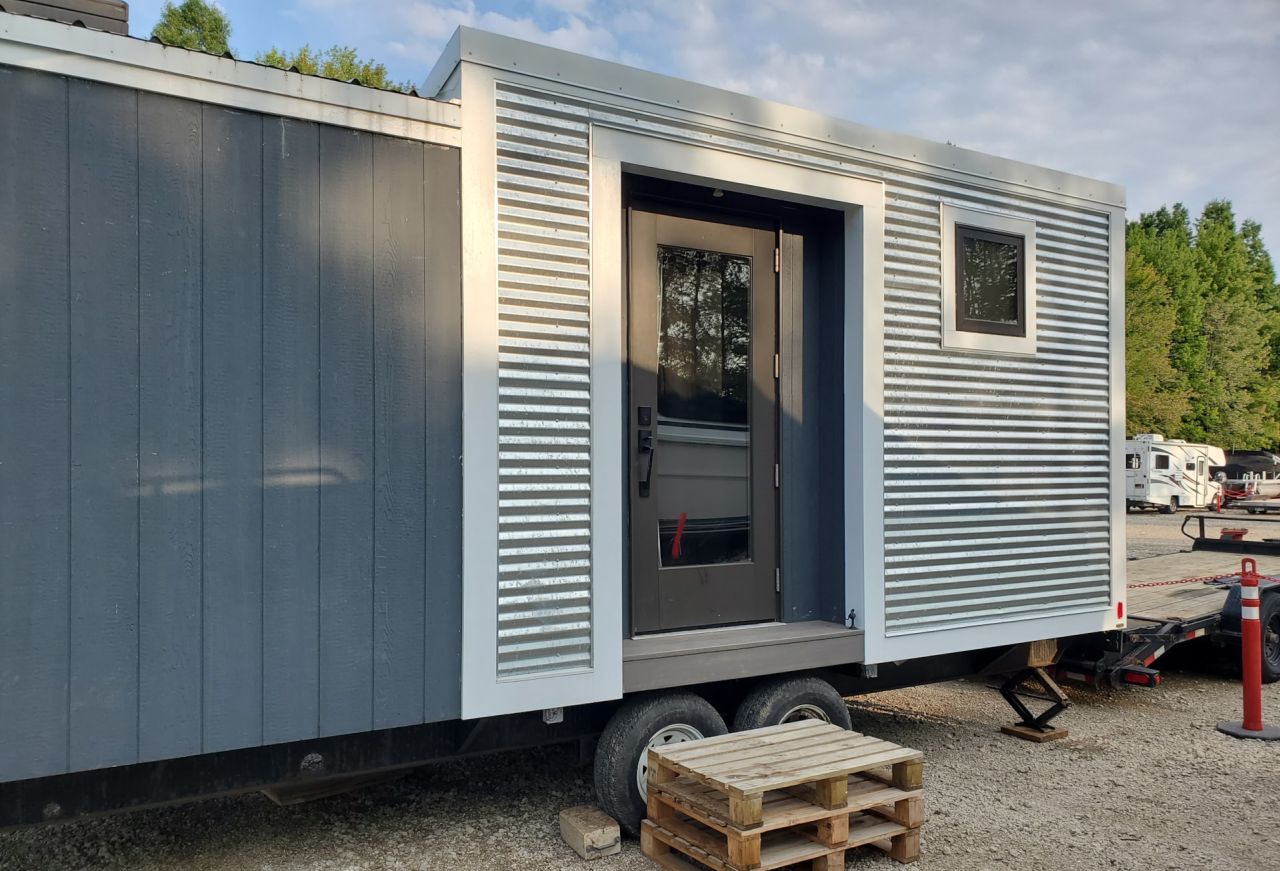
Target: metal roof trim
767 118
152 66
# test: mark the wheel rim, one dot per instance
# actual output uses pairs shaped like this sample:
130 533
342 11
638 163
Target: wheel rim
805 712
676 733
1271 640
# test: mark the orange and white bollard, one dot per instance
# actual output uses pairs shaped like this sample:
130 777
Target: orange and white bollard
1251 651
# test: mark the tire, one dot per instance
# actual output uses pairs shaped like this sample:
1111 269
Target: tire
1269 614
1171 507
783 699
661 718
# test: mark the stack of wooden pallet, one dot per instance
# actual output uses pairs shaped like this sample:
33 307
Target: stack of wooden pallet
805 791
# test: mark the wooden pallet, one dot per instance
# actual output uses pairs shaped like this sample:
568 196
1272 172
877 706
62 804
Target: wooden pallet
769 798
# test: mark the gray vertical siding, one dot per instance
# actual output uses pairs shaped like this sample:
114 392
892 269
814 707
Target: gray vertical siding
230 431
442 656
170 545
399 452
35 425
346 431
291 436
103 212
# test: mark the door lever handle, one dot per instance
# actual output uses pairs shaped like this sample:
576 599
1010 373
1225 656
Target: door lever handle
647 444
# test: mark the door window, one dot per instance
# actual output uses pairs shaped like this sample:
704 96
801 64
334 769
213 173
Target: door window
704 389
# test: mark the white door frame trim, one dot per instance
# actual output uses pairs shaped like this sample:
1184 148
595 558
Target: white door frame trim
616 151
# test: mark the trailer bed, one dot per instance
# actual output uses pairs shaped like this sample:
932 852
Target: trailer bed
1171 587
1171 599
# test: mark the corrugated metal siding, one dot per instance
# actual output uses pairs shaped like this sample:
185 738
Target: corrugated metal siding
544 393
996 468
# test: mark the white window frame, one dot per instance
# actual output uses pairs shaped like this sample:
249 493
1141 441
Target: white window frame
969 340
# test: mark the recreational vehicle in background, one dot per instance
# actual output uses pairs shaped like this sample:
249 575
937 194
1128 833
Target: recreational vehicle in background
344 429
1252 477
1168 474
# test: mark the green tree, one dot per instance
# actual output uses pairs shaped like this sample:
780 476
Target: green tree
1263 276
338 62
194 24
1157 394
1164 240
1225 342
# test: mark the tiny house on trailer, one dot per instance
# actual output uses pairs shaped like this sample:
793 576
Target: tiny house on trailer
1168 474
343 429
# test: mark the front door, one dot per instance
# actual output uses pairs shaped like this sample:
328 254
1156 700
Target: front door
703 428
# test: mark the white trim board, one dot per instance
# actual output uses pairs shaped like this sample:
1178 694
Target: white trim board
862 201
956 339
65 50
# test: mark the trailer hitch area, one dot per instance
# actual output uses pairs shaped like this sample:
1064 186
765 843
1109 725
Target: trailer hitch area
1031 726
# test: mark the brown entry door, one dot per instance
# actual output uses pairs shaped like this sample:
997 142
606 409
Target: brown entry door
702 423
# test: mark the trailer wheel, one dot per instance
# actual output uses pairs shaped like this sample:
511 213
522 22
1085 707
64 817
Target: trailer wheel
784 699
1270 619
1171 507
622 754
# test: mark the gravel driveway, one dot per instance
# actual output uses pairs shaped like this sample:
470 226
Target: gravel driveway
1143 782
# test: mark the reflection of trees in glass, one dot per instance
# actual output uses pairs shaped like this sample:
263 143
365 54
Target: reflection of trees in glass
990 280
704 350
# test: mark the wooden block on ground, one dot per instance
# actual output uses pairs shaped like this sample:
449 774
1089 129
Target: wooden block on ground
1026 733
590 832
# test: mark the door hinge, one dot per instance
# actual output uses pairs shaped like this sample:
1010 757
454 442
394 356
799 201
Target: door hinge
777 366
777 475
777 580
777 259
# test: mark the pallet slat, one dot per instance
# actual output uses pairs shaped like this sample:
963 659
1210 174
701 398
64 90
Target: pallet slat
770 798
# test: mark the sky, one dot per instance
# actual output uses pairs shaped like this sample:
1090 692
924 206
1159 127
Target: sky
1177 100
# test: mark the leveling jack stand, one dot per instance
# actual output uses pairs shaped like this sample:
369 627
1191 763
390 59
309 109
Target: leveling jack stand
1034 727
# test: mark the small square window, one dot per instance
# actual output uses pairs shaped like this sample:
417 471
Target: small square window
989 268
1161 461
988 282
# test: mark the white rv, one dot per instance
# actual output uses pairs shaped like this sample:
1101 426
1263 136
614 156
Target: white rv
1169 474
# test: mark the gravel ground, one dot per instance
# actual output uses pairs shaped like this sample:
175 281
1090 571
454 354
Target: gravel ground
1142 782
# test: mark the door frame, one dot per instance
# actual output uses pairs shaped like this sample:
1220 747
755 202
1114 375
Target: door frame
651 596
615 152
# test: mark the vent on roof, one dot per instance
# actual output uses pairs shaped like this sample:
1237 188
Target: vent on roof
109 15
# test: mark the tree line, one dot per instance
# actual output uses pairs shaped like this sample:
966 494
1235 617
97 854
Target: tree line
1202 329
1202 311
201 26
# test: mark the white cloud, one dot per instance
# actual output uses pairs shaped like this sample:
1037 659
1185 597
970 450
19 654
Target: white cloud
1176 99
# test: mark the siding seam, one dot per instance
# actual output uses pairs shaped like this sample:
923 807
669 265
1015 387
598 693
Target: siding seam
66 107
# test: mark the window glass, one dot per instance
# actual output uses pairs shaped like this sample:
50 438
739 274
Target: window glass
989 282
1191 466
1133 461
1161 461
704 387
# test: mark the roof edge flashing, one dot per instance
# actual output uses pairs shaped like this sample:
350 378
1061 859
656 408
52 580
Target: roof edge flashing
769 118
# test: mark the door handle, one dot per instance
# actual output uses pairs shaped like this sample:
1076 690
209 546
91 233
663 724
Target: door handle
647 444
